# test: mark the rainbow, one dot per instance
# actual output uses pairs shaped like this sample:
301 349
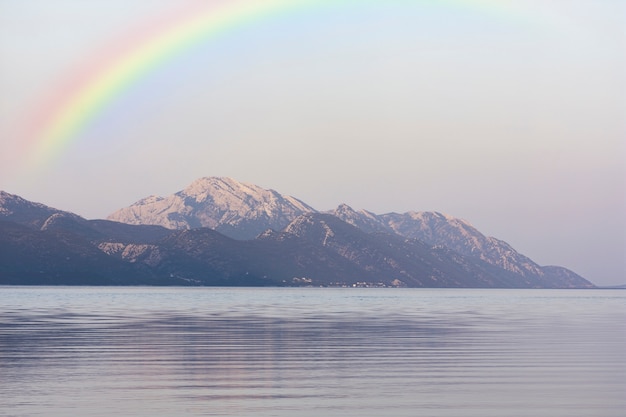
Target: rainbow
96 87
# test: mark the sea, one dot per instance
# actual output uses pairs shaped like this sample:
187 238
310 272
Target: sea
146 351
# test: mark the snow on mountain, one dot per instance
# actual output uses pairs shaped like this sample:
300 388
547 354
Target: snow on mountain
236 209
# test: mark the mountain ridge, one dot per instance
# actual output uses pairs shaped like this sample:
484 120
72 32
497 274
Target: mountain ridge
293 244
238 209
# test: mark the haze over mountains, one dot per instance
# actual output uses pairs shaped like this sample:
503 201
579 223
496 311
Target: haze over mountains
219 231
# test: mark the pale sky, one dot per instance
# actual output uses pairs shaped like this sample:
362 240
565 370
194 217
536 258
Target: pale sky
508 114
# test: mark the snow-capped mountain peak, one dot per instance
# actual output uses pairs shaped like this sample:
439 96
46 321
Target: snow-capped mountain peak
237 209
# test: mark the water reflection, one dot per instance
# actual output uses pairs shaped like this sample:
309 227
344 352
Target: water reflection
263 352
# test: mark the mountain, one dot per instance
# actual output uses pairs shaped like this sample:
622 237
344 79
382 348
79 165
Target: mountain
52 247
391 260
59 257
241 211
236 209
46 246
438 229
43 245
441 230
16 209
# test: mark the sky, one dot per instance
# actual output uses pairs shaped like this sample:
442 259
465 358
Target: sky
510 114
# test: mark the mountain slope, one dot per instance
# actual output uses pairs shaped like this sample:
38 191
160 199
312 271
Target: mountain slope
243 211
440 230
396 261
236 209
58 257
16 209
43 245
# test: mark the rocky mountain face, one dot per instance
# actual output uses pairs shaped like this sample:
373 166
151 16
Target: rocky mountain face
393 260
440 230
298 246
236 209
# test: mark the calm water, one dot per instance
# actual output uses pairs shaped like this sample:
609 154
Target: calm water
311 352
